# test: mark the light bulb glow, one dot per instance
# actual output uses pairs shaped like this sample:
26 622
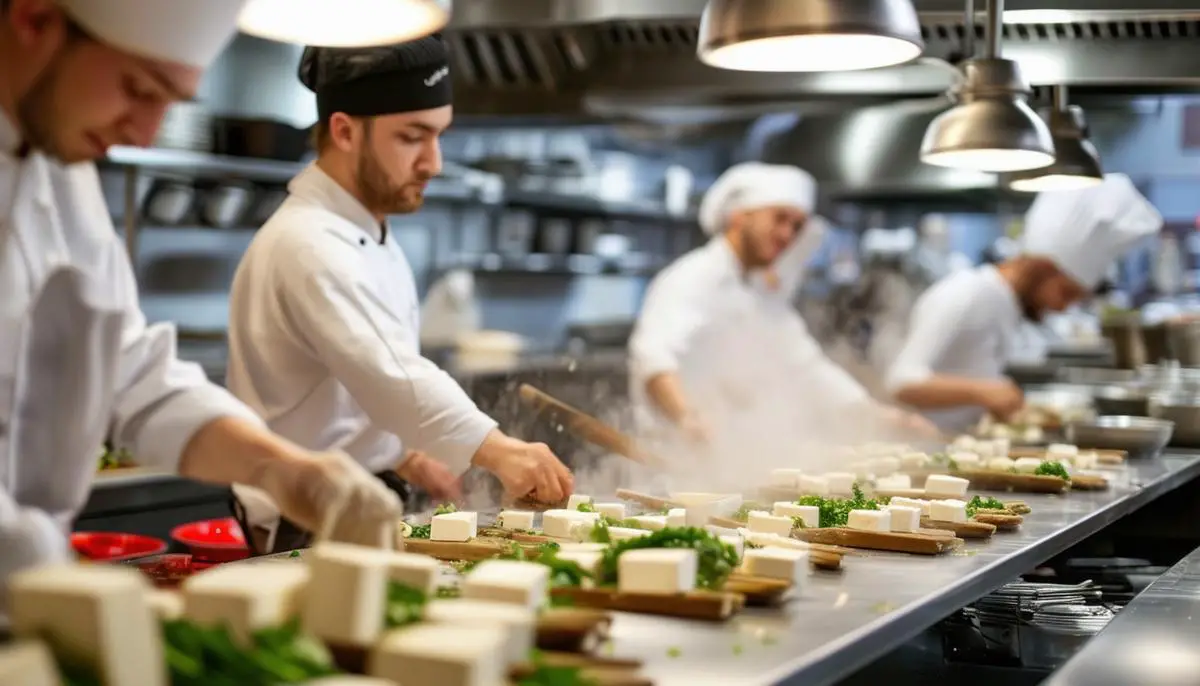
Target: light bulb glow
822 52
342 23
992 160
1054 182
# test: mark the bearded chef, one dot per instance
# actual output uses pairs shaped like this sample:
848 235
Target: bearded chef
718 352
78 362
323 333
963 329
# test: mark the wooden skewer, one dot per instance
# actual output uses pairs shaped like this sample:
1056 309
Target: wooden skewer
584 425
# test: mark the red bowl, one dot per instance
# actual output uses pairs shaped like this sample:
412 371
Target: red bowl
170 570
213 540
104 546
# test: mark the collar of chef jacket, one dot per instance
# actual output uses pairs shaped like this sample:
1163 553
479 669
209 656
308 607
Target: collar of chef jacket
314 185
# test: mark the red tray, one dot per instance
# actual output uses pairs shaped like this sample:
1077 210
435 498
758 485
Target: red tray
213 540
106 546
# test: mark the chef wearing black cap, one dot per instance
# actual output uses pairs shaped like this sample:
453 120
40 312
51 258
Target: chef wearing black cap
323 333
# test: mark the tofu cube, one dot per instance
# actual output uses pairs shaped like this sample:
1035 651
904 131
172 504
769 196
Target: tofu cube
352 580
1087 460
559 523
840 483
1001 464
1062 450
245 598
736 542
964 442
922 505
812 485
28 663
518 623
948 511
885 466
676 517
1027 465
657 570
945 486
442 655
914 460
515 520
895 482
778 563
457 527
785 478
984 449
415 571
809 514
165 604
97 612
869 520
767 523
576 500
1033 434
651 522
588 560
724 504
904 518
1001 447
622 533
967 460
611 510
508 581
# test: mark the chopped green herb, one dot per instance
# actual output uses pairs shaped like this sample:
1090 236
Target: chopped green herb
449 592
835 511
445 508
674 652
1050 468
585 507
199 656
717 560
737 649
421 531
978 503
553 675
295 553
405 605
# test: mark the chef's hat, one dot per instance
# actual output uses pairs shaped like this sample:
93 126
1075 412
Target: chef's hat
191 32
1085 231
751 185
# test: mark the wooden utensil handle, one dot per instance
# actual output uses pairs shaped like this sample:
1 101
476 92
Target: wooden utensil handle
582 424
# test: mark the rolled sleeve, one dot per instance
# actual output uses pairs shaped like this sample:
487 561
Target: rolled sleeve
338 314
933 325
669 320
29 538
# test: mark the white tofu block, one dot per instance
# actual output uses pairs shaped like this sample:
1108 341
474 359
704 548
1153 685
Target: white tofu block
967 460
576 500
1002 432
885 466
778 563
582 547
1001 447
508 581
895 482
657 570
754 538
611 510
415 571
964 442
1001 464
809 514
518 623
651 522
676 517
588 560
559 523
785 478
621 533
348 610
515 519
840 483
457 527
914 460
28 663
984 449
869 520
943 485
1033 434
736 542
1027 465
812 485
904 518
1087 460
724 504
948 511
166 604
98 612
764 522
1062 450
441 655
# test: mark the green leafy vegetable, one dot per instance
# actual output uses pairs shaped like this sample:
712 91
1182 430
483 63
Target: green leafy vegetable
717 560
585 507
405 605
1050 468
421 531
553 675
979 503
295 553
449 592
204 656
835 511
445 508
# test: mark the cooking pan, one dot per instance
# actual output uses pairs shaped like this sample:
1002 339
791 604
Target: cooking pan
1121 400
1182 408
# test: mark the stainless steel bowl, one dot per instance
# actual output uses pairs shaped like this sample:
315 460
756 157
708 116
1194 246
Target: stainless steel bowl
1065 399
1095 376
1138 435
1182 408
1128 399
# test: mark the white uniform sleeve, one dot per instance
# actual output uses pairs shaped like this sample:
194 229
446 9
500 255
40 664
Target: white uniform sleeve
337 313
671 316
933 326
838 388
161 401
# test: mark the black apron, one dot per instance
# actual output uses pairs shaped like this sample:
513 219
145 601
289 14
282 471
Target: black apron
288 536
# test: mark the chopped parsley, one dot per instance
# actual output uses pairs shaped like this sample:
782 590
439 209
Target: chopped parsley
978 503
421 531
717 560
405 605
1049 468
836 511
445 508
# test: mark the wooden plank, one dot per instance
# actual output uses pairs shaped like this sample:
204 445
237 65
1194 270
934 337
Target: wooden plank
1001 519
705 605
1088 482
469 551
928 542
759 591
963 530
985 480
572 629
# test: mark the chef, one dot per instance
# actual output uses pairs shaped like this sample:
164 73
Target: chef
323 329
718 354
963 329
78 362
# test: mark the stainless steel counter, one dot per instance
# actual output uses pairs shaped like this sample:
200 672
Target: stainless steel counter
845 621
1154 641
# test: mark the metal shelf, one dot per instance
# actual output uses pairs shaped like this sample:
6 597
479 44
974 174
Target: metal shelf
192 163
541 263
582 204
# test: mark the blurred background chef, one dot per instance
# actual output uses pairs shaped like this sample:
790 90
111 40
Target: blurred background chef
963 329
719 357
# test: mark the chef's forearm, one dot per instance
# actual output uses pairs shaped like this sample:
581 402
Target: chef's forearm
232 450
938 392
666 392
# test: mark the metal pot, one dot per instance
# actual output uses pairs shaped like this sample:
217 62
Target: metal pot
1121 400
170 202
226 204
1182 408
1135 344
1183 341
1138 435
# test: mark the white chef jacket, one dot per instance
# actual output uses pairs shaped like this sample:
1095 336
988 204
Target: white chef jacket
324 337
743 354
77 361
964 325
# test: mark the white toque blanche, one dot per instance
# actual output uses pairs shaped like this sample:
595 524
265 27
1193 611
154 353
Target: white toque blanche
1085 231
189 32
753 185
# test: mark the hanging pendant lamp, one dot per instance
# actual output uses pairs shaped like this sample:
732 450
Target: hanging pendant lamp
992 128
343 23
808 35
1076 161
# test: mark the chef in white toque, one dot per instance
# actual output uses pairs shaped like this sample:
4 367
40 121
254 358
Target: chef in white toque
962 330
718 352
78 362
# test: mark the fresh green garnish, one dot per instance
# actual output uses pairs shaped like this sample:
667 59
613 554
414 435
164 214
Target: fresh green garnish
203 656
421 531
742 514
798 523
405 605
1049 468
835 511
737 649
978 503
449 592
599 533
294 553
551 675
585 507
717 560
674 652
445 508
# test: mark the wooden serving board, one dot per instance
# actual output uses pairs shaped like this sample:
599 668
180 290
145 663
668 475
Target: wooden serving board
927 542
1088 482
821 556
964 530
1112 458
649 502
572 629
984 480
1001 519
596 670
469 551
707 605
760 591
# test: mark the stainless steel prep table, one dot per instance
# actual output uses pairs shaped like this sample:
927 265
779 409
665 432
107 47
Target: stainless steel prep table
1154 641
845 621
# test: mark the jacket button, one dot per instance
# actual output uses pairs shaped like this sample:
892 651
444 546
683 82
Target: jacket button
362 241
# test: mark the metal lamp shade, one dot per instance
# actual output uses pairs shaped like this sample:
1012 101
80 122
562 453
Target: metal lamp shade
990 135
808 35
1076 161
343 23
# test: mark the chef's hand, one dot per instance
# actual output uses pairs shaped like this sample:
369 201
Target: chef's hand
525 469
694 429
425 472
1001 398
